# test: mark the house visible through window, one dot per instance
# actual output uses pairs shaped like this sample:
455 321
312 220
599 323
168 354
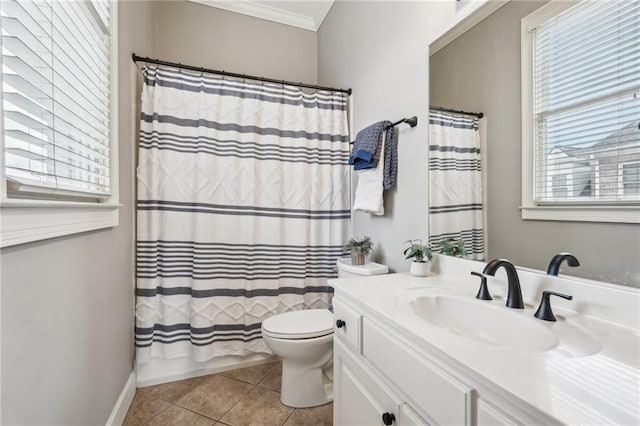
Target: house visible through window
581 104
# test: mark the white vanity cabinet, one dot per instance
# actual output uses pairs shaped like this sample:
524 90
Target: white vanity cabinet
381 378
424 350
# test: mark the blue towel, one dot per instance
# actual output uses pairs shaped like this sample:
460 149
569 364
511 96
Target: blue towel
366 148
366 151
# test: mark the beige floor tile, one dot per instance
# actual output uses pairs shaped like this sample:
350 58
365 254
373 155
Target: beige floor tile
273 380
142 409
172 391
314 416
177 416
260 407
215 396
251 374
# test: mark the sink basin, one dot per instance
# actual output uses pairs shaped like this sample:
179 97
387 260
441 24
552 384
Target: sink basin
484 322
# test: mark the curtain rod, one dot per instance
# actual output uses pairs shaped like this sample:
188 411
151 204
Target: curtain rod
137 58
477 114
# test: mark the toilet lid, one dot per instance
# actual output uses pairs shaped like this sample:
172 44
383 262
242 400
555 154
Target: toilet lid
302 324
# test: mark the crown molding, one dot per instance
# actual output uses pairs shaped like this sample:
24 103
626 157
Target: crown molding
270 13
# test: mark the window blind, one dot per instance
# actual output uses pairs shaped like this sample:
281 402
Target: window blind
586 104
56 96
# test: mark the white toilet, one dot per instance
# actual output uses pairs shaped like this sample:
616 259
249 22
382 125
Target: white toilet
304 341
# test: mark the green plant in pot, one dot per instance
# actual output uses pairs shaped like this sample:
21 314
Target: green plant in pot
453 247
421 255
360 249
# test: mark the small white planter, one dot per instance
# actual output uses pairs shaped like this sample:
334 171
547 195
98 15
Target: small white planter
358 258
420 269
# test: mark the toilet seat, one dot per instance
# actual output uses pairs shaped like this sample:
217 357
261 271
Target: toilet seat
304 324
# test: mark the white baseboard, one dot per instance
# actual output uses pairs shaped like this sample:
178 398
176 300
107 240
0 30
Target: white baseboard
123 403
158 371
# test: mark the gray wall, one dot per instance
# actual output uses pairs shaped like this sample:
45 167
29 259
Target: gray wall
200 35
380 49
480 71
67 303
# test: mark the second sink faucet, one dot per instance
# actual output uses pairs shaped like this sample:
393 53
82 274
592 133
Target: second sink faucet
554 265
514 294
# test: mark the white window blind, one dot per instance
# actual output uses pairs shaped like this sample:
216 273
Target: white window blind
586 104
56 96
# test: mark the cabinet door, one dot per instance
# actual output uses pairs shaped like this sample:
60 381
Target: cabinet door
359 400
432 389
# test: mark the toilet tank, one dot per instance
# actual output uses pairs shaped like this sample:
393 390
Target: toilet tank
346 269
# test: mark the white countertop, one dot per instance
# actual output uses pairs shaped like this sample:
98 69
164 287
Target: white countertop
602 387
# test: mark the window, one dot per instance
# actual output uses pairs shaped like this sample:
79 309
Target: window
581 111
57 120
559 188
630 179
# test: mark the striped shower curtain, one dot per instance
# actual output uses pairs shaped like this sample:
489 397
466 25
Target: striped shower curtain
455 182
242 209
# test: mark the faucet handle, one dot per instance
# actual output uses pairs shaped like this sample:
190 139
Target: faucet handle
544 311
483 291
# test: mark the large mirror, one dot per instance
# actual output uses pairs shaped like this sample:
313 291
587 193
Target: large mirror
477 67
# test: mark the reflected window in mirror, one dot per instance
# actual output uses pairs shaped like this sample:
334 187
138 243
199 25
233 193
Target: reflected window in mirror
581 112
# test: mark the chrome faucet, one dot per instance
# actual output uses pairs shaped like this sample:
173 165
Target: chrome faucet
554 265
514 294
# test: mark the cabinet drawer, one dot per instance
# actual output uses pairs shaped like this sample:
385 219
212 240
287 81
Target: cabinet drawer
488 415
351 324
408 417
440 396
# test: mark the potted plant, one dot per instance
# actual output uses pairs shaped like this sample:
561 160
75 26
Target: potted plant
360 249
421 255
453 247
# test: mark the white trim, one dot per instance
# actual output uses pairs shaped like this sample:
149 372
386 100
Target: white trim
271 13
114 157
466 24
530 210
615 214
25 220
123 402
19 225
158 371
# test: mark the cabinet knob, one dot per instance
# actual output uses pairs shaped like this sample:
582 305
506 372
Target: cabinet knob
340 323
388 418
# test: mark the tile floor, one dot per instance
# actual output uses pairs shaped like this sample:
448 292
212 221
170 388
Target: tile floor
249 396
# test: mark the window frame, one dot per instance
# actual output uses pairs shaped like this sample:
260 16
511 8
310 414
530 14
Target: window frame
530 210
24 220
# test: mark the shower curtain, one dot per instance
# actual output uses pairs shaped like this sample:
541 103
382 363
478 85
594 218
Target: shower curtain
242 209
455 181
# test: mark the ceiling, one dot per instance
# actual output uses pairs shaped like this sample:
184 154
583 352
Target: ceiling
306 14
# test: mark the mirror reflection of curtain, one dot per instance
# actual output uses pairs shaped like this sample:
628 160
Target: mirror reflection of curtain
455 181
243 207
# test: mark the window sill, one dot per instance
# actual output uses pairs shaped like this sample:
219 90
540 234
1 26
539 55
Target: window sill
25 221
609 214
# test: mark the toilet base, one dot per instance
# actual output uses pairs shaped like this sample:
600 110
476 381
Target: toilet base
304 387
